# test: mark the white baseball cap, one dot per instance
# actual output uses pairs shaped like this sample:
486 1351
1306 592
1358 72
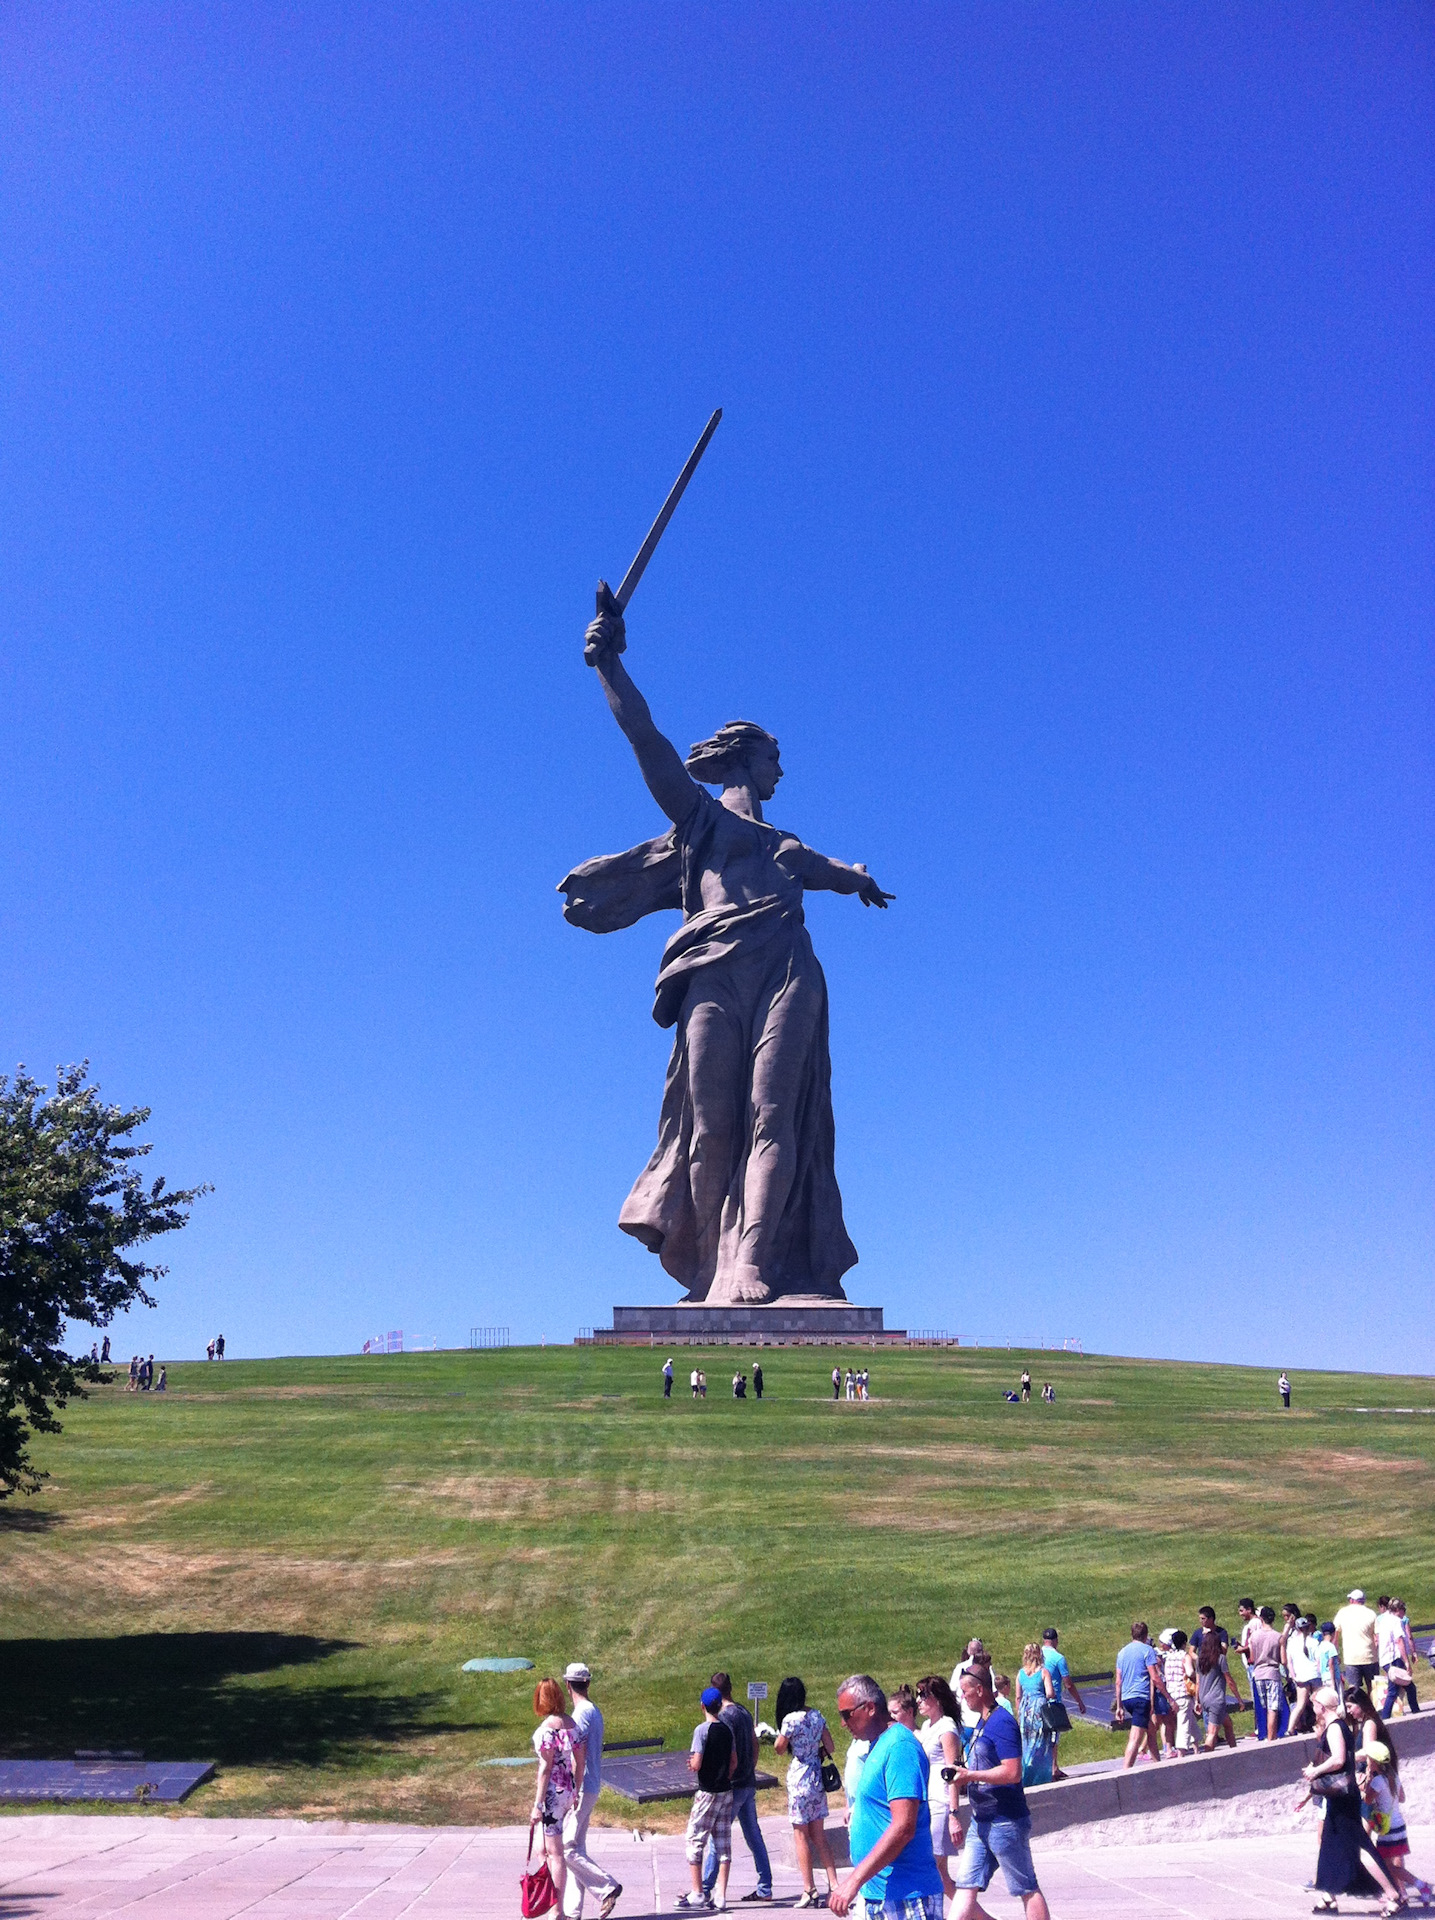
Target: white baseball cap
1356 1593
575 1670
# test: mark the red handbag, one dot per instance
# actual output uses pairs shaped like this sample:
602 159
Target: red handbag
537 1891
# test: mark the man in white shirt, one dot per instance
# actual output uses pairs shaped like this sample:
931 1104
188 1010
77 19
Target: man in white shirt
585 1875
1355 1631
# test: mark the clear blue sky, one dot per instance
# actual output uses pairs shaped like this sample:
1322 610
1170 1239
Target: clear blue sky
1071 522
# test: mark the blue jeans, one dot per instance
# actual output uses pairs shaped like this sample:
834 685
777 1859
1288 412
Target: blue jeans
998 1843
744 1815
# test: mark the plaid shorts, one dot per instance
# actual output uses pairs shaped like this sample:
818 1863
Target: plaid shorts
711 1818
1271 1693
916 1906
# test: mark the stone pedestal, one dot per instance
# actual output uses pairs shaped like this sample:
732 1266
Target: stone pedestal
791 1321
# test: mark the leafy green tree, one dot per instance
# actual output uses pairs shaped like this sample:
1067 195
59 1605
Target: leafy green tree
72 1209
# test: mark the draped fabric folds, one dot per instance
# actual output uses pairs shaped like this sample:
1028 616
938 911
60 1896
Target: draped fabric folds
740 1199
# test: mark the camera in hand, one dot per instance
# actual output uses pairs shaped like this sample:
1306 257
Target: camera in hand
949 1773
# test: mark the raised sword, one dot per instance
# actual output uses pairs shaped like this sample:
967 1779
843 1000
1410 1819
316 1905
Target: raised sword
607 599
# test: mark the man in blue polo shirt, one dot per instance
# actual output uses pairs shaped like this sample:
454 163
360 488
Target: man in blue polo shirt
1000 1830
890 1838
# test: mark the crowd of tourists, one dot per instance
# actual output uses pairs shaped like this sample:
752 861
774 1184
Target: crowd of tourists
1176 1697
935 1772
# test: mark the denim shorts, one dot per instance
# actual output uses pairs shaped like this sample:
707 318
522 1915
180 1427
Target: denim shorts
998 1843
1138 1710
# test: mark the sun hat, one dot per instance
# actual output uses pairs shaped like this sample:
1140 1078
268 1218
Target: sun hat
575 1670
711 1699
1165 1636
1379 1753
1356 1593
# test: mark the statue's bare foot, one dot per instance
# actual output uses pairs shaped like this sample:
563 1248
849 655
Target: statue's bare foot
745 1287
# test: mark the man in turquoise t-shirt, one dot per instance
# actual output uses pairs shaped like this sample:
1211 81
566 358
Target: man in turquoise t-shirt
890 1839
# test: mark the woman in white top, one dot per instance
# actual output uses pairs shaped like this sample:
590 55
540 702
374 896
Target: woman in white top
1303 1668
942 1744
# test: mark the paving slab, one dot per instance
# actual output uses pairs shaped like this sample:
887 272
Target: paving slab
79 1867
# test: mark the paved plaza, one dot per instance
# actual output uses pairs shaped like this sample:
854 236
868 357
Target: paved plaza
53 1866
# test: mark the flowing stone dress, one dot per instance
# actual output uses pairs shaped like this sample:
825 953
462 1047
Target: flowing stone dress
741 1193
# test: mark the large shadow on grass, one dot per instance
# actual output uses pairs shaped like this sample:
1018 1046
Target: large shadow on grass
251 1698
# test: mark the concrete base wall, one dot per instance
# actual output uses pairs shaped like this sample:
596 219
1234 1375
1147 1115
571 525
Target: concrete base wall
1247 1790
1238 1793
777 1322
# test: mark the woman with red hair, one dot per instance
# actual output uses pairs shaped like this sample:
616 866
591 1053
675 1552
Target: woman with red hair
560 1776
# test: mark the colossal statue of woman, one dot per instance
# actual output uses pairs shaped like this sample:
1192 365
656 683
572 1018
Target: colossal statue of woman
740 1198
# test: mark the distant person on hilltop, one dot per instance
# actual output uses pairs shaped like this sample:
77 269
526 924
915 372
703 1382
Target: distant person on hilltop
162 1384
105 1352
757 1378
219 1346
694 1382
209 1351
1283 1388
837 1383
1025 1384
668 1378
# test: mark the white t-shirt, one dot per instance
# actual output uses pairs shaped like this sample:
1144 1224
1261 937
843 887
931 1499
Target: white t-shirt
1300 1661
1390 1637
589 1722
930 1736
970 1716
1355 1625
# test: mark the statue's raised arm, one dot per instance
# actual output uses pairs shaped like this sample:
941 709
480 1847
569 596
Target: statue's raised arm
669 781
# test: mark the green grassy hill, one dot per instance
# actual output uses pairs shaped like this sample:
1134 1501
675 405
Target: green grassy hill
283 1564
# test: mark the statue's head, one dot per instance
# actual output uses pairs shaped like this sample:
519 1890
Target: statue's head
739 751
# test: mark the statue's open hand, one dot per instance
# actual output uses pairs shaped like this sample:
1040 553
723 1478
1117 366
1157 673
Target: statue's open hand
869 893
606 634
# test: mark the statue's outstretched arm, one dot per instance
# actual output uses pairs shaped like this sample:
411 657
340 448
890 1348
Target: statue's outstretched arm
824 875
668 780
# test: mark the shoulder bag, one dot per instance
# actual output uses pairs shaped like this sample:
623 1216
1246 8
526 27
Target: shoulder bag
1054 1716
536 1890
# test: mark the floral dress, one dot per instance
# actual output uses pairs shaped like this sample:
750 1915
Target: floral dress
1037 1753
805 1797
561 1794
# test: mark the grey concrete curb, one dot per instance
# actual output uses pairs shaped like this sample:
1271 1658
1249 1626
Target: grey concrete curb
1225 1775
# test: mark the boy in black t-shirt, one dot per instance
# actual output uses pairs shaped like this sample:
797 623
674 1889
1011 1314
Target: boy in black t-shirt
713 1759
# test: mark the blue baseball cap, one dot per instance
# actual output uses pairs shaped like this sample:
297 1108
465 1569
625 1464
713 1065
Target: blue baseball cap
711 1699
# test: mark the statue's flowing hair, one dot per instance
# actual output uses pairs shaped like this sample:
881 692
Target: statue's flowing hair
719 759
